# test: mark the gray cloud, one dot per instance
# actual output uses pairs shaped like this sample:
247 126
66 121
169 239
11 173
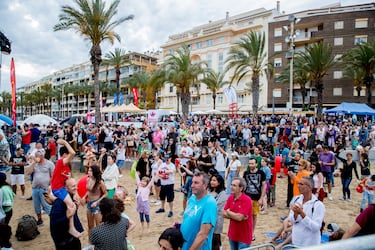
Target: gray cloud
38 51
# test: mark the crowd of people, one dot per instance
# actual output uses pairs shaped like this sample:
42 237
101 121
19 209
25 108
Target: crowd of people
208 154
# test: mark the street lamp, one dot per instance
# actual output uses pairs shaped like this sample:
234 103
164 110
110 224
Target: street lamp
290 39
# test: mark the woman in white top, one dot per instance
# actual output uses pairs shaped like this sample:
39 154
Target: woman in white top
233 170
316 173
154 172
110 176
221 157
120 157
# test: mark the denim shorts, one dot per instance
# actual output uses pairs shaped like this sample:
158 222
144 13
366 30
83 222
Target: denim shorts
95 209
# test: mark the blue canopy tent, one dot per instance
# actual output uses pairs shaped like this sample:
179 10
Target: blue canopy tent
349 108
6 119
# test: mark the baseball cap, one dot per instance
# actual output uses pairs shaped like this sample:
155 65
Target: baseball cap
332 228
167 156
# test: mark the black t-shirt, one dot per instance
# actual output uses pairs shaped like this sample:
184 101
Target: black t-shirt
17 169
59 223
254 183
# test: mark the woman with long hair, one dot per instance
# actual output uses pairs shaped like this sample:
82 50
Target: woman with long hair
8 197
112 233
171 239
348 165
204 161
110 175
317 175
96 191
217 190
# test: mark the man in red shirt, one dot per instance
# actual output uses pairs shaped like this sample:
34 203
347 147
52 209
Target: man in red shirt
26 138
52 149
238 210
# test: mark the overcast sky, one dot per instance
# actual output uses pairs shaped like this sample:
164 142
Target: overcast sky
39 51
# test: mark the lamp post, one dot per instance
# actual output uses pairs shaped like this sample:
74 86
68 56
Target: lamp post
290 38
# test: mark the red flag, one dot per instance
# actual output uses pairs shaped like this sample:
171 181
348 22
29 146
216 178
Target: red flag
135 95
13 84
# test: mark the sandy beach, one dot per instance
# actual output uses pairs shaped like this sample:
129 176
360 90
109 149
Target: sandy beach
340 212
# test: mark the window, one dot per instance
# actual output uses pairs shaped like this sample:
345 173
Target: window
277 62
361 23
277 47
209 61
199 45
277 32
338 41
241 98
190 46
171 51
337 74
277 77
220 98
360 39
209 43
338 57
362 91
337 91
221 62
339 25
195 100
220 40
170 88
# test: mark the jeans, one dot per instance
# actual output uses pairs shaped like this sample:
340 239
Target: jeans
231 175
345 187
39 202
235 245
369 197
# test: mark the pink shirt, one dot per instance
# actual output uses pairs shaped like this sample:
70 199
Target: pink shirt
157 137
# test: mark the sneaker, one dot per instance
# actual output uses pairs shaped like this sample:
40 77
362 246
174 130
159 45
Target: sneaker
160 210
342 199
120 176
39 222
170 214
330 197
349 200
30 198
282 218
157 203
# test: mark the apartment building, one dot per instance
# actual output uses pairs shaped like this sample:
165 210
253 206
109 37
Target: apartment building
211 43
342 26
70 103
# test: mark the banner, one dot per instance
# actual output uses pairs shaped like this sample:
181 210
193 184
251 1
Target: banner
135 95
13 84
115 101
121 99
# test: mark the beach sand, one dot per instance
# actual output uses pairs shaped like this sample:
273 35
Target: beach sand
341 212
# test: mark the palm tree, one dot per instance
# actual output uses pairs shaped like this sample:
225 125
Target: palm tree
117 59
300 76
356 75
214 82
6 102
249 56
317 59
183 73
363 57
57 95
46 89
94 22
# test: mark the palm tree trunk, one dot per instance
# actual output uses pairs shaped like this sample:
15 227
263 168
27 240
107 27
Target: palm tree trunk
255 93
214 100
96 59
303 92
368 82
319 91
178 101
118 72
185 102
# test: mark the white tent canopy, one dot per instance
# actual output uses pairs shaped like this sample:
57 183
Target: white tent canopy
40 119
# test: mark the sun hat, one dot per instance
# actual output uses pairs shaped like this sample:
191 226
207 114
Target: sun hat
332 228
234 154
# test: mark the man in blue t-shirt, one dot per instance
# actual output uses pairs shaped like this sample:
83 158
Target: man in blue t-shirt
201 210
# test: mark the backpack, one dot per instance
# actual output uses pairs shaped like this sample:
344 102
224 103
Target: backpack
27 228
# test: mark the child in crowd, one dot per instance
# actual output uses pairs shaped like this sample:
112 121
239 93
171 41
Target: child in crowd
119 204
143 204
60 174
368 193
267 171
